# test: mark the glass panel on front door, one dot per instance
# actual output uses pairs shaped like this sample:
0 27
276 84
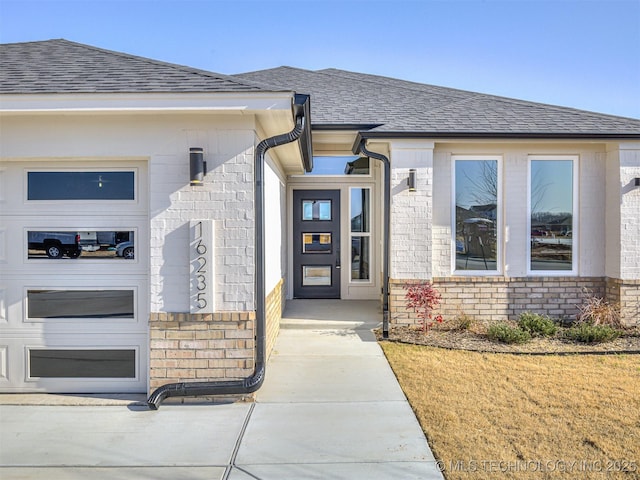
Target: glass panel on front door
316 242
316 275
316 210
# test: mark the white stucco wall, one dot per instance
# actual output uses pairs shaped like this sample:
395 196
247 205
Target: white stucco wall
275 225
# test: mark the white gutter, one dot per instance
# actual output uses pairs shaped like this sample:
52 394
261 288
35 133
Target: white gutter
143 102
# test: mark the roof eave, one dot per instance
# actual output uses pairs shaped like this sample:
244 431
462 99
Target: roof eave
495 136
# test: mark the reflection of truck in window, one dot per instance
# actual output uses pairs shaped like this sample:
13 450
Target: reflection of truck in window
56 244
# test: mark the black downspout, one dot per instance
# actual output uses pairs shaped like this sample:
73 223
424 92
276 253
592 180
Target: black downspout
253 382
386 229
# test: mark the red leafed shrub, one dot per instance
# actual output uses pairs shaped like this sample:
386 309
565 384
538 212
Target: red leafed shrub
423 298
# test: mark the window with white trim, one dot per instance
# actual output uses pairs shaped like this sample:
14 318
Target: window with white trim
476 214
360 234
552 214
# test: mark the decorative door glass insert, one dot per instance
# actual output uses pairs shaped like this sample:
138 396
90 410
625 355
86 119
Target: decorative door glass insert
316 275
316 210
316 243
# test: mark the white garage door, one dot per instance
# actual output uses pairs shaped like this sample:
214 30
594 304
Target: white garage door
74 282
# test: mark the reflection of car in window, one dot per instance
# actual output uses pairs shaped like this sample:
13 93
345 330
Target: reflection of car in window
125 250
92 241
56 244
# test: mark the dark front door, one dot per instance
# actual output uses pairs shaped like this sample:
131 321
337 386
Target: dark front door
316 243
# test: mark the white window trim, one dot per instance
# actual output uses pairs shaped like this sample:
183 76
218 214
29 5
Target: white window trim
575 217
499 220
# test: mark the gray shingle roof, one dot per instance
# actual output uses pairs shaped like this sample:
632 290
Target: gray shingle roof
380 105
61 66
400 107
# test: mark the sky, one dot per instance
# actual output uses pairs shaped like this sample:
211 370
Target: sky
577 53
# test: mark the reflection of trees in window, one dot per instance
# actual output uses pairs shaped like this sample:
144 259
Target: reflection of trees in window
476 214
484 183
551 199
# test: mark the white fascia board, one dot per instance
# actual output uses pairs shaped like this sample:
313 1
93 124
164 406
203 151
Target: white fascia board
412 144
145 102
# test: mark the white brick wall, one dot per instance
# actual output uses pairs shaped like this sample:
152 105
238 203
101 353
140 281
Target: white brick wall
407 232
226 197
411 213
630 212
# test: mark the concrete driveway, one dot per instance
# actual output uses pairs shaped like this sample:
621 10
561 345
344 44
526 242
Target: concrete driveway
330 408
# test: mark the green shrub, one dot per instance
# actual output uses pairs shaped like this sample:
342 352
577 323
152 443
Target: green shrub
537 325
507 334
586 333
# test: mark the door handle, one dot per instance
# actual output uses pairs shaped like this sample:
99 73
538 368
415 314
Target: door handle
337 258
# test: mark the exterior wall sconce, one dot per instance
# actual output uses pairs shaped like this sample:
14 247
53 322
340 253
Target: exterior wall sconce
411 181
636 181
198 167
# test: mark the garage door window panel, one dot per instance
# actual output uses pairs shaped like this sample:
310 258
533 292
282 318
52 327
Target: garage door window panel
80 304
86 185
81 243
82 363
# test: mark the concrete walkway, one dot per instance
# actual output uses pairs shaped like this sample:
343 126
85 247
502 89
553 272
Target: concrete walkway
330 408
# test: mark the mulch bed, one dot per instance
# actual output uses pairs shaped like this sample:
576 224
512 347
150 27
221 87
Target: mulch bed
629 342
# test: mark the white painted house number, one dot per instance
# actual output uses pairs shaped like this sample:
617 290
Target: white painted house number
201 261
